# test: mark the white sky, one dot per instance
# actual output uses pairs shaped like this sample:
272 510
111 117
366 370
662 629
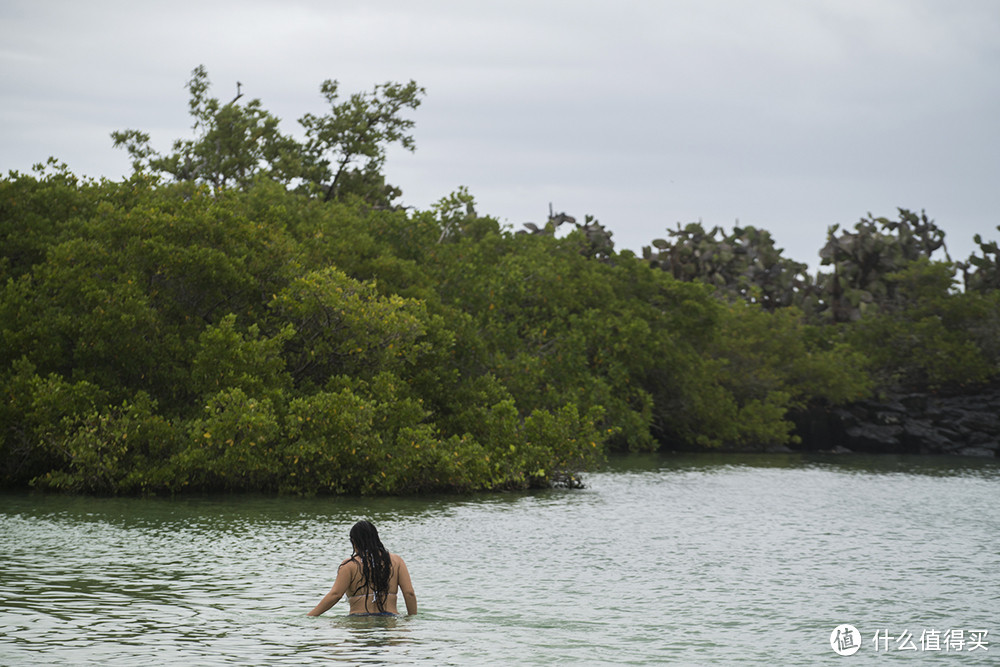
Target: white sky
788 115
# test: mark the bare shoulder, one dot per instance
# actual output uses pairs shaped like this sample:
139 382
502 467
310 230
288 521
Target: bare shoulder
349 563
396 559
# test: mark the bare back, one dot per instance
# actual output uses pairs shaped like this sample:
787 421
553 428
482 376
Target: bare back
362 599
349 583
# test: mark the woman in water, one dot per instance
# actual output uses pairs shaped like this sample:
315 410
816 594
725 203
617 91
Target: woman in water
370 578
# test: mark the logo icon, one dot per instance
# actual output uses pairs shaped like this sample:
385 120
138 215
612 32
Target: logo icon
845 639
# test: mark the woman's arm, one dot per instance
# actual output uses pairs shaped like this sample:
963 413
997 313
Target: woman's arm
344 574
406 586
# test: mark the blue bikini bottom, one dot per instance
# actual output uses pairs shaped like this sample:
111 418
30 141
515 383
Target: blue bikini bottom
375 613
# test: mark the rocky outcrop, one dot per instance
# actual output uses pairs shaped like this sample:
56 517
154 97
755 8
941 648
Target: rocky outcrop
967 425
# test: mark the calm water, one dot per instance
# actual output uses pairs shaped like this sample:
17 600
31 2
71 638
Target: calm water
692 559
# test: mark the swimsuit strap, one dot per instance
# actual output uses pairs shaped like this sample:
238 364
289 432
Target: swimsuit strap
361 595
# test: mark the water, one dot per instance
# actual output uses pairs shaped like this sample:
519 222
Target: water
684 559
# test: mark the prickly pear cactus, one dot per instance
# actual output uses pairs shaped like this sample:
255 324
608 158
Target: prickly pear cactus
863 259
743 265
982 273
597 239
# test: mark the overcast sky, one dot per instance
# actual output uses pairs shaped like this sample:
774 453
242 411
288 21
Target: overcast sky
788 115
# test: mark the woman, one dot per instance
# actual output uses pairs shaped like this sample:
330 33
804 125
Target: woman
370 578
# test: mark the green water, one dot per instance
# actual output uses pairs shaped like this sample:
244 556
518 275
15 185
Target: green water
684 559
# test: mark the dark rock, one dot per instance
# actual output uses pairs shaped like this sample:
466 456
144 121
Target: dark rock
968 424
914 403
981 421
846 417
949 434
883 417
921 435
875 436
890 405
978 438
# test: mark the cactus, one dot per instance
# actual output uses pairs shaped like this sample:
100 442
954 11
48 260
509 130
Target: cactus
743 265
598 239
864 259
986 273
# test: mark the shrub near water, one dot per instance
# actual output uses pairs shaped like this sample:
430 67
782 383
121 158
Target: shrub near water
164 341
220 326
251 313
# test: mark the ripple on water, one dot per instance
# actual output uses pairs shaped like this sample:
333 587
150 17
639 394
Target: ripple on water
687 560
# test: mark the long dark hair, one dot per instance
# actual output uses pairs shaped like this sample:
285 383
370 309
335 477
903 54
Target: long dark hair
375 563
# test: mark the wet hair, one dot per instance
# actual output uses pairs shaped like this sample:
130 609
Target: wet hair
375 563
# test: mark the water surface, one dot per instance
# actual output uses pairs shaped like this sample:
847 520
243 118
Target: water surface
686 559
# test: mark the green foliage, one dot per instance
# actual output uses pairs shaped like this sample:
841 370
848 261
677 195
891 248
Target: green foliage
984 275
929 337
237 145
120 450
235 445
344 327
558 444
326 430
194 339
593 238
863 260
250 313
776 363
456 215
357 131
743 265
35 211
33 416
536 302
228 359
233 144
769 352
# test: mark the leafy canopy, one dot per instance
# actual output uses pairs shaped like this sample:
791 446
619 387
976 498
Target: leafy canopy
234 144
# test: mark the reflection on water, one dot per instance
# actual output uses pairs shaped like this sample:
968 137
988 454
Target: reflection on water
687 558
947 466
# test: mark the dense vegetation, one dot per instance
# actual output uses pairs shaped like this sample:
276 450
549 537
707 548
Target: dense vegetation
252 312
